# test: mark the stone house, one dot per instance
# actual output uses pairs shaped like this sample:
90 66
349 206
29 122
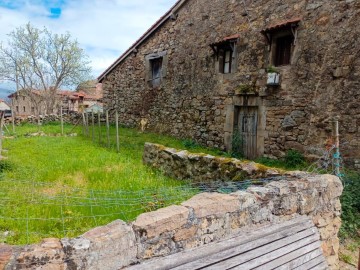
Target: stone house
27 103
274 74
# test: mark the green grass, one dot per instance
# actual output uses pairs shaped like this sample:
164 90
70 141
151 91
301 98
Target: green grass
63 186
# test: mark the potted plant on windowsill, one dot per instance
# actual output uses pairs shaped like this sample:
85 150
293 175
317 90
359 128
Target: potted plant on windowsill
273 76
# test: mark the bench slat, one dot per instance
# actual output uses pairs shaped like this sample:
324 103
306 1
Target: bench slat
223 252
312 264
301 260
287 259
267 253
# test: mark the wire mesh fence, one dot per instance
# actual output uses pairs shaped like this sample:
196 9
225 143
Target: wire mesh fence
32 210
43 210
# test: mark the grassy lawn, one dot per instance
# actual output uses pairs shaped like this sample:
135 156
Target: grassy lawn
55 186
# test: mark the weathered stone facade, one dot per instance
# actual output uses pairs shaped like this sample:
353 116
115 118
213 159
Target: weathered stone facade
205 218
194 100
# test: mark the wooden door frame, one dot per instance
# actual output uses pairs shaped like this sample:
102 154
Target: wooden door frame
250 101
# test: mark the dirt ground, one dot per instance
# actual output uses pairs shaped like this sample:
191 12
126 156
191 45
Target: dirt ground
349 254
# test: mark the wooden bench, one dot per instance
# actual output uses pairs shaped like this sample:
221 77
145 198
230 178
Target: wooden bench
292 244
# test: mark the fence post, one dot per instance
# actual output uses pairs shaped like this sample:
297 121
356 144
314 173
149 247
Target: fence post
117 132
61 120
107 128
93 126
337 146
99 126
84 123
2 113
87 124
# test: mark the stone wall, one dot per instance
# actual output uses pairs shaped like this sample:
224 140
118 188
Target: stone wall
181 164
195 101
205 218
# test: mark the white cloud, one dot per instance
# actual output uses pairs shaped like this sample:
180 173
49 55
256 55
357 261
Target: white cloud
104 28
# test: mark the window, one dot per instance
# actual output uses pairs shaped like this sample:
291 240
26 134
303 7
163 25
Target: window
24 109
282 39
17 108
283 50
225 64
32 110
156 67
225 51
23 98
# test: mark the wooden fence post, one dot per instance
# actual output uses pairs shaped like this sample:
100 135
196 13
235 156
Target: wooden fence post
87 124
2 113
99 126
61 120
84 123
107 128
93 126
337 146
117 132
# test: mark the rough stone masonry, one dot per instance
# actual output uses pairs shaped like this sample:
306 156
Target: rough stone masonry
313 44
205 218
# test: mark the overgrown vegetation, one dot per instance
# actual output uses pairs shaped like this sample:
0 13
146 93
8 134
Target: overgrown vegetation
293 160
350 203
237 145
54 186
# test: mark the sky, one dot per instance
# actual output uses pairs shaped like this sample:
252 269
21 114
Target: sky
103 28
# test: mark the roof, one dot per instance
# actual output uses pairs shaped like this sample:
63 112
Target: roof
169 14
280 25
226 40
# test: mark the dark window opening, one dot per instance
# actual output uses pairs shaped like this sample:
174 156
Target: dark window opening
32 110
24 109
226 55
17 108
23 98
156 67
227 61
283 50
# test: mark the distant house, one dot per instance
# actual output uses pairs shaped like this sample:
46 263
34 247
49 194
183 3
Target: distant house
96 108
86 96
4 106
26 103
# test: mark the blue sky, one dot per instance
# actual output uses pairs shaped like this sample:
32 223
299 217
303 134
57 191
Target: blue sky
104 28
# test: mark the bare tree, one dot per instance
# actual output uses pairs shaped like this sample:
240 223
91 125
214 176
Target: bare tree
37 59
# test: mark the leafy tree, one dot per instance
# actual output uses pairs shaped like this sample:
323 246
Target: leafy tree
37 59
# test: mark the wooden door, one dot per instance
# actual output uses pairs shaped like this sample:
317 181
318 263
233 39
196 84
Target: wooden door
245 126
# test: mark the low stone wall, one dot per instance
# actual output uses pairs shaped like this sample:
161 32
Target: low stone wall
204 218
181 164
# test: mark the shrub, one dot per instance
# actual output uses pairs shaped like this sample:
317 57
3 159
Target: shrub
189 144
5 165
237 145
294 159
350 203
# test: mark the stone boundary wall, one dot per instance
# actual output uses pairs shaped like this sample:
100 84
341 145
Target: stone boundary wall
70 118
200 220
181 164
